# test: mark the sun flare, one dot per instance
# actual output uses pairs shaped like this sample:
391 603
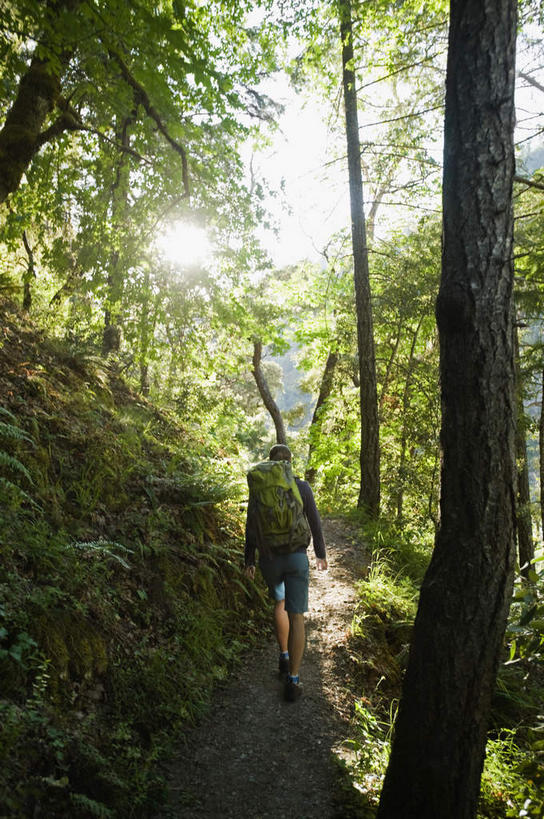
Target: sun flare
185 244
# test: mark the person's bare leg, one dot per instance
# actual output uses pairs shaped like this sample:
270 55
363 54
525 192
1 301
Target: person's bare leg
281 625
296 642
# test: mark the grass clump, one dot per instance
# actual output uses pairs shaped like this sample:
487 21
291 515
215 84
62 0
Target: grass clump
378 649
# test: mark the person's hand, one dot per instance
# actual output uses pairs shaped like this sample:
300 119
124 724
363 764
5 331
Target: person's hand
321 564
249 571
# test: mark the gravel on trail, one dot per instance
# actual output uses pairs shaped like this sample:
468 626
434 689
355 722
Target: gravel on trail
255 755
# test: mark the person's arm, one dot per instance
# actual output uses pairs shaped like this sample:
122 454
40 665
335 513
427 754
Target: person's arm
314 520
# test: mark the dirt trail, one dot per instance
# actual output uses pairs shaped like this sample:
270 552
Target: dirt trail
255 755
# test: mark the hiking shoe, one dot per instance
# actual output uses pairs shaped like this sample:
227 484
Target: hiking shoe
284 666
293 691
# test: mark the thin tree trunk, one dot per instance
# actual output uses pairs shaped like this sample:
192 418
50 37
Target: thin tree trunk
315 426
541 452
439 742
389 368
266 395
404 431
29 274
369 495
526 548
111 339
147 325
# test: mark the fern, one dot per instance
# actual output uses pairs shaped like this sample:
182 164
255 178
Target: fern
12 487
91 806
4 411
11 431
104 547
12 463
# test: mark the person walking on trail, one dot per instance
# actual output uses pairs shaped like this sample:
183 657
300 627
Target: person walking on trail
279 523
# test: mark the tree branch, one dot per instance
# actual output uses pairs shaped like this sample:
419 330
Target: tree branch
143 98
531 80
69 120
529 182
266 395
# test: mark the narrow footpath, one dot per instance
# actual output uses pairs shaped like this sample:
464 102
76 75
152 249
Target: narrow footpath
254 755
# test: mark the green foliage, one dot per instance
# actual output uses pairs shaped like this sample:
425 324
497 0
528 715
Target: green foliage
404 282
525 633
378 648
513 779
11 493
508 786
122 595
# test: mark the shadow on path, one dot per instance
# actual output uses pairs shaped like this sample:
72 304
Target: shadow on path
254 755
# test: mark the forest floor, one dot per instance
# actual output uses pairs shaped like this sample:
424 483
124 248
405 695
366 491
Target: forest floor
255 755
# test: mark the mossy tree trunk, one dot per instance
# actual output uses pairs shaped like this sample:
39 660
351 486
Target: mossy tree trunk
439 742
38 93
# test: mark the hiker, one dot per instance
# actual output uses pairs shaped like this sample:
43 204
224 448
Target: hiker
284 564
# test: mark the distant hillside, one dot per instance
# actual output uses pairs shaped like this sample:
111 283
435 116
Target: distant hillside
292 396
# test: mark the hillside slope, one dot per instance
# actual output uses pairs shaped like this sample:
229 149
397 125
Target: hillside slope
120 581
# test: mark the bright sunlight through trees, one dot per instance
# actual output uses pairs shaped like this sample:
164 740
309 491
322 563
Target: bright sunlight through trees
185 245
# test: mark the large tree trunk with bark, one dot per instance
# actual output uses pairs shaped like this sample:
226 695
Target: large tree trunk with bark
266 395
324 392
369 495
439 743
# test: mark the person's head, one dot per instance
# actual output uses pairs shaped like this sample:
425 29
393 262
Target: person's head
279 452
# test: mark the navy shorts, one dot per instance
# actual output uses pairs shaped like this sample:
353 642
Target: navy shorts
287 577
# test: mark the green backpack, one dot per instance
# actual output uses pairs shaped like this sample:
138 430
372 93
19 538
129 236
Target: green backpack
274 497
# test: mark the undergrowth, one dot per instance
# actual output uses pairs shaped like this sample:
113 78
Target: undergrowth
122 596
513 779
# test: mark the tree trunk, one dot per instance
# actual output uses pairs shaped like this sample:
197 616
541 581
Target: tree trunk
266 395
526 548
111 339
21 136
439 743
146 331
404 431
541 452
389 369
369 495
324 393
29 274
